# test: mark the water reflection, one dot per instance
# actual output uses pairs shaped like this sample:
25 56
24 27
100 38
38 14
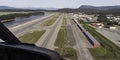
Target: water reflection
21 20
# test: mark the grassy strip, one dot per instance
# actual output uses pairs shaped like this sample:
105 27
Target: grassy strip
5 13
108 51
61 38
7 20
15 15
31 37
50 21
65 52
68 53
64 21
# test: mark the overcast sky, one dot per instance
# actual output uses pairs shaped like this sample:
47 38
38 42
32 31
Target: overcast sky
57 3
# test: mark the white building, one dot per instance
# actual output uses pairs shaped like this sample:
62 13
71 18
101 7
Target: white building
112 27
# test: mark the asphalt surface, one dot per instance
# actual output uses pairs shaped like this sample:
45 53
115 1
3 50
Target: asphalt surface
75 37
82 43
70 37
21 29
49 37
113 35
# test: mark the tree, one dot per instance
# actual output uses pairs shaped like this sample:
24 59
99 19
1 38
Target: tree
102 18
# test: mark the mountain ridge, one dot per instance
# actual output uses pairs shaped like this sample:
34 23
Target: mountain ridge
99 7
6 7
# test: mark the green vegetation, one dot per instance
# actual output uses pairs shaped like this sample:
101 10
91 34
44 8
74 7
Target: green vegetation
50 21
82 22
31 37
108 50
64 21
98 51
7 20
112 23
61 38
5 13
65 52
15 15
102 18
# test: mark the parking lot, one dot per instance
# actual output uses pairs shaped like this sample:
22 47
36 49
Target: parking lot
113 35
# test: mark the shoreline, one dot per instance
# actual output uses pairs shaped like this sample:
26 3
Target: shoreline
4 21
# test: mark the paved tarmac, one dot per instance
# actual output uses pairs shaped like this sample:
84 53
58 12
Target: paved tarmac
49 37
82 43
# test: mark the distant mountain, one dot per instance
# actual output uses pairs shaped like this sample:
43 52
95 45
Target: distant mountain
87 6
84 8
26 8
6 7
32 8
103 8
51 8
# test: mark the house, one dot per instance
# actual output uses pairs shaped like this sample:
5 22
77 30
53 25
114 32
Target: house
112 27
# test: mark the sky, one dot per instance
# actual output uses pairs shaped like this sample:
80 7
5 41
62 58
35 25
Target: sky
57 3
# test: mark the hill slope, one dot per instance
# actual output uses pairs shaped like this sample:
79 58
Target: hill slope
5 7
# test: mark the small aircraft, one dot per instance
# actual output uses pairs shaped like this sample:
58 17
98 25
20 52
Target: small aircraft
13 49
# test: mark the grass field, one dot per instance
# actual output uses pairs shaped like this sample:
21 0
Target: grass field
64 21
31 37
108 50
65 52
61 38
49 22
5 13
